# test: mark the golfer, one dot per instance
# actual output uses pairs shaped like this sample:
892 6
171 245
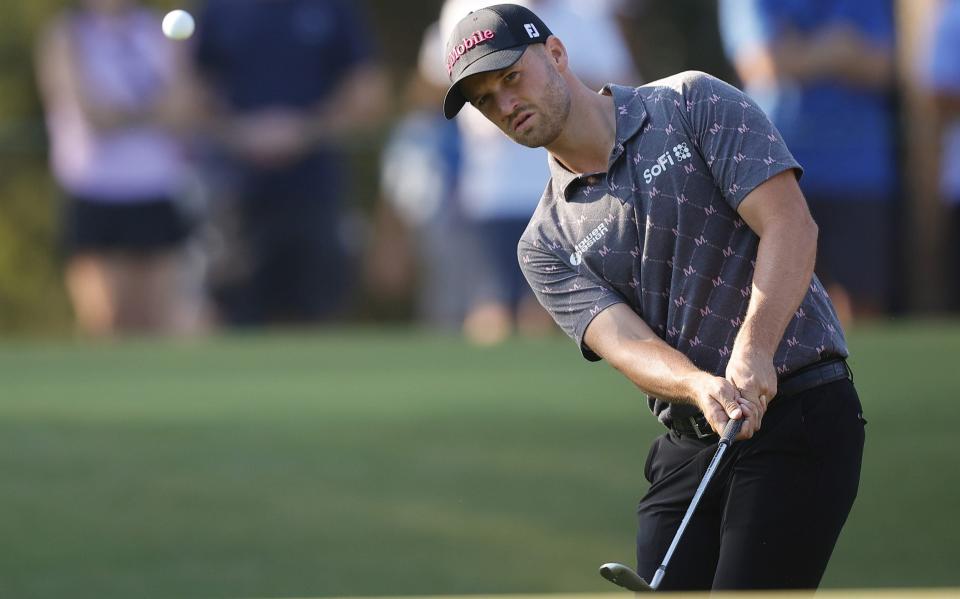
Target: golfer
673 241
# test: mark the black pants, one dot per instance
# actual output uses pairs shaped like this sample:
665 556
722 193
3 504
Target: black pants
772 514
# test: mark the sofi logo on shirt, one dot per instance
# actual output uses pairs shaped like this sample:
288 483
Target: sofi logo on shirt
681 151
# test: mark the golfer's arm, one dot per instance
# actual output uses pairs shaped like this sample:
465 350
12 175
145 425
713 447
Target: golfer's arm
778 214
624 340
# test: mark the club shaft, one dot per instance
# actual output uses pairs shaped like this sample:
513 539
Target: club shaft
627 577
658 576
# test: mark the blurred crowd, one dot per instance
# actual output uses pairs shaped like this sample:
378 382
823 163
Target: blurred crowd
207 183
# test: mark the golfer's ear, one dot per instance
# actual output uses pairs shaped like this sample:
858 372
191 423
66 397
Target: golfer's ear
556 52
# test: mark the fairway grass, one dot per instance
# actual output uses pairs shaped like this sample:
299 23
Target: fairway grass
366 463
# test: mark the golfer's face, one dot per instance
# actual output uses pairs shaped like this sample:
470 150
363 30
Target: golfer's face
512 99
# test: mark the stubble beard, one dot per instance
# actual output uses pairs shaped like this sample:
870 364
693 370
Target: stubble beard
553 114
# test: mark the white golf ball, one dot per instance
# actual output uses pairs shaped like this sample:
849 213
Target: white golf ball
178 25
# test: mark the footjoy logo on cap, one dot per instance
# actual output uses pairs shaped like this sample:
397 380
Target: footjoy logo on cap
472 41
531 30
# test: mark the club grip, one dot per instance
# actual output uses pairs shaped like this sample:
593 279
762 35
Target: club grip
730 431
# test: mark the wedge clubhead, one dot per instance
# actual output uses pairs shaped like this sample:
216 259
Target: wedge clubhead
624 576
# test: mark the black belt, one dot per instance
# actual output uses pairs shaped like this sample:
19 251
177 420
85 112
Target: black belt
821 373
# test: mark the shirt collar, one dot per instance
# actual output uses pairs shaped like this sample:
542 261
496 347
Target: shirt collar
630 116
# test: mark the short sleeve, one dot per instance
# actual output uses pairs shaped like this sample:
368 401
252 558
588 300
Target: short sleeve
569 294
943 68
740 145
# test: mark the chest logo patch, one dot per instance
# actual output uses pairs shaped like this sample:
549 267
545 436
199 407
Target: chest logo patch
679 153
587 242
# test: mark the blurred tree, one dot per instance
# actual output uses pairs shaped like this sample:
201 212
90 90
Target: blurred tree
31 295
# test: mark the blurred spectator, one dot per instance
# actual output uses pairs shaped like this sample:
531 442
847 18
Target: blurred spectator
501 182
107 79
289 82
419 169
823 70
943 77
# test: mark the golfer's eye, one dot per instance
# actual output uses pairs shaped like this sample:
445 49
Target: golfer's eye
512 76
480 101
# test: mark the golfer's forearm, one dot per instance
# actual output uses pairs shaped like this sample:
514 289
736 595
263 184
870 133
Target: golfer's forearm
630 346
660 371
785 261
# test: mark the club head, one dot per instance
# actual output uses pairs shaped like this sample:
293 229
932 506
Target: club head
624 576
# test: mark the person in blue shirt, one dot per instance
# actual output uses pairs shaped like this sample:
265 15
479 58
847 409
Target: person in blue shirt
289 82
823 70
943 79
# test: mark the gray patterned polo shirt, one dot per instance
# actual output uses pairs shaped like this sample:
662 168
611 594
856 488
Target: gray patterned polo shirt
659 231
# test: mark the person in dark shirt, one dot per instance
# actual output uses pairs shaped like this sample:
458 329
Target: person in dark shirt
289 82
673 241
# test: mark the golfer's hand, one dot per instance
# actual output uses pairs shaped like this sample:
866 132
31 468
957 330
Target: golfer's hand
720 402
753 374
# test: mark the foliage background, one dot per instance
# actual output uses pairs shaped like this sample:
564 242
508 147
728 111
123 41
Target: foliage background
666 37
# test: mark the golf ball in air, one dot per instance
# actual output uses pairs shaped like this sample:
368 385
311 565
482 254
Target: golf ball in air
178 25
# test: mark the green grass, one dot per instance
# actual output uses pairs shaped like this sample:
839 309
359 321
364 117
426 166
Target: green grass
365 463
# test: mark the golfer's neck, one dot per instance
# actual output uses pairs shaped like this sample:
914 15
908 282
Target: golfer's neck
586 142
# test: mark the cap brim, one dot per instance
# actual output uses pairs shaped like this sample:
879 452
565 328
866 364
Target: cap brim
501 59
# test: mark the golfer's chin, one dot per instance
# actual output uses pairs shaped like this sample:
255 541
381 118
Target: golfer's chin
532 137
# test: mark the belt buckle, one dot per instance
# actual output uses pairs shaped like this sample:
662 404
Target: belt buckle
695 424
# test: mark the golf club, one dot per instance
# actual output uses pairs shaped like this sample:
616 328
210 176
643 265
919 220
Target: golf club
625 576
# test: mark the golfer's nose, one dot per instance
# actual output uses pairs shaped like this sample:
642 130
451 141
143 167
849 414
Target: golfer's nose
507 103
